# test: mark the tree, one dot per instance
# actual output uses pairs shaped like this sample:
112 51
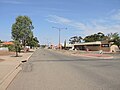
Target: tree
0 43
17 47
75 39
22 30
95 37
33 42
114 37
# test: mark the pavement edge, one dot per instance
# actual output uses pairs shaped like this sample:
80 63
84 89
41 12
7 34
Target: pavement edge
5 82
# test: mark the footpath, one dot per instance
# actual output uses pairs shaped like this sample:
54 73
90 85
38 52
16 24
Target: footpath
10 67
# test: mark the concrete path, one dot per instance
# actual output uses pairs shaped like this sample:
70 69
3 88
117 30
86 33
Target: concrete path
48 70
9 68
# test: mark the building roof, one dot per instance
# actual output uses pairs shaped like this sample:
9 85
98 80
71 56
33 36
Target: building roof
89 43
7 43
69 45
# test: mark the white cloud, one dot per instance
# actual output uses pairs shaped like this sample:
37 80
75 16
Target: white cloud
78 25
106 25
116 15
57 19
65 21
11 2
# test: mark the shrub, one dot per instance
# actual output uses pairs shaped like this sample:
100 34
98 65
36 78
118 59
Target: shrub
11 48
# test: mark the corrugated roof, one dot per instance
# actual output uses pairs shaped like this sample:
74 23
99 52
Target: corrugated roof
7 43
88 43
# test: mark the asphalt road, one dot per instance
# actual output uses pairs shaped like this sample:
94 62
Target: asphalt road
48 70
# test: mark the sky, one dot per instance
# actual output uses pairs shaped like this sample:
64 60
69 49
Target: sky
80 17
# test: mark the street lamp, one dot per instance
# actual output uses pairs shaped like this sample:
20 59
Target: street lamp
59 33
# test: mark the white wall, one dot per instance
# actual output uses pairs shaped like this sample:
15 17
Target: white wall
4 48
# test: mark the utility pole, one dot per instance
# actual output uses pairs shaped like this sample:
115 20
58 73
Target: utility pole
59 34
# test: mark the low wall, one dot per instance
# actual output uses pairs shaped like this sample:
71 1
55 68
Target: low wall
3 49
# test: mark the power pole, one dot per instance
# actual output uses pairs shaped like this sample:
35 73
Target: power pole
59 34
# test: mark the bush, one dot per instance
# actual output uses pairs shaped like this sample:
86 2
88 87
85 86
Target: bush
11 48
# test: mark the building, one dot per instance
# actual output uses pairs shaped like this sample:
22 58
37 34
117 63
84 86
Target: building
7 43
4 44
92 46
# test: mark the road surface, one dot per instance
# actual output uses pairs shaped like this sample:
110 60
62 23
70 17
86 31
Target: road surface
48 70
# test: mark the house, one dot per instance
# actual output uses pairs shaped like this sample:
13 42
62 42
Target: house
7 43
3 46
92 46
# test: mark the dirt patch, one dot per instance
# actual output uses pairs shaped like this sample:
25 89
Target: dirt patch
4 53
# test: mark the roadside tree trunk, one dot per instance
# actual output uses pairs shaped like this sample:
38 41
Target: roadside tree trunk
16 50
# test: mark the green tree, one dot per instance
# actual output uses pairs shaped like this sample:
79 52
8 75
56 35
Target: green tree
95 37
0 41
33 42
75 39
17 47
21 31
114 37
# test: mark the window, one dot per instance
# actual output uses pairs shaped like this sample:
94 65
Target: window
105 45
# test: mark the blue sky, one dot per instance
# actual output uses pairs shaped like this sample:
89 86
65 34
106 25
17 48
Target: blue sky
80 17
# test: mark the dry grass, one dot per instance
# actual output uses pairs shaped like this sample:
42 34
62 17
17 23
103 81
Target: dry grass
4 53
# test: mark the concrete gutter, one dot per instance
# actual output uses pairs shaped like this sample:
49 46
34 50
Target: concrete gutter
9 77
